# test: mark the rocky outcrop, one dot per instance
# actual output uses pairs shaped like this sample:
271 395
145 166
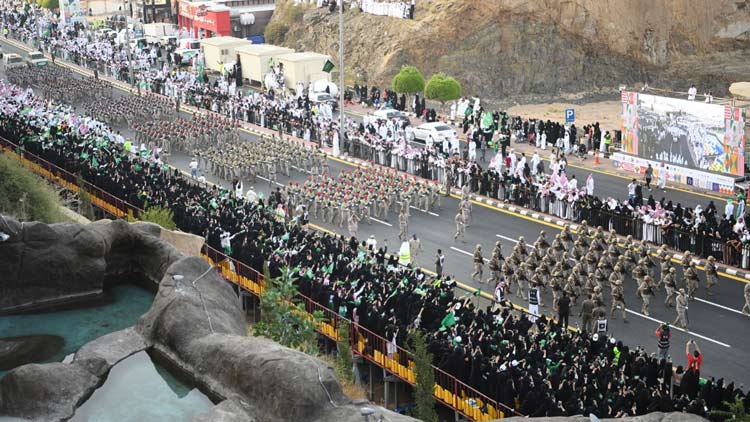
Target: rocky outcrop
61 264
53 391
526 50
651 417
195 322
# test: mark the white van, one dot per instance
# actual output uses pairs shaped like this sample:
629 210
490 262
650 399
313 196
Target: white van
13 60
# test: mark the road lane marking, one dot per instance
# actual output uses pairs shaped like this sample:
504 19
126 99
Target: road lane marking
428 212
381 222
688 332
466 253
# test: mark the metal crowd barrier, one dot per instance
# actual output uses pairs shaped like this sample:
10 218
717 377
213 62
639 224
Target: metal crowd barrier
398 361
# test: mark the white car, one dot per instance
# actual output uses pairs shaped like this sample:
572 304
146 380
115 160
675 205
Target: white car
391 113
36 58
437 131
12 60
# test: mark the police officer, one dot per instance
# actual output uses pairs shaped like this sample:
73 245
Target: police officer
712 276
478 264
682 307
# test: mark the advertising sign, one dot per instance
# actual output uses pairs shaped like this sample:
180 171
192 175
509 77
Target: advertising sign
675 174
689 134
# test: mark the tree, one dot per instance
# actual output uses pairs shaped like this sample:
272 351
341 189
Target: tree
85 208
442 87
736 411
425 379
275 32
161 216
409 80
283 316
24 196
344 361
49 4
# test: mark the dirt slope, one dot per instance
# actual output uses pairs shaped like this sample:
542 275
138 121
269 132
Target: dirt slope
533 50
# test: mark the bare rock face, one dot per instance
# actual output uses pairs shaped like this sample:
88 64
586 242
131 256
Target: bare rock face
60 264
197 323
535 49
50 391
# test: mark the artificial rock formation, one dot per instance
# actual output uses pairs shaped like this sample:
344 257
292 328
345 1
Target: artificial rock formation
195 321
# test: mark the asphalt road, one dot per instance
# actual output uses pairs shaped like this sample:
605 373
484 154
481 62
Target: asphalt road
715 322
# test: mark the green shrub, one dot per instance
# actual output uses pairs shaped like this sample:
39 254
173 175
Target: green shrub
425 378
442 87
85 208
275 32
295 14
22 195
283 316
161 216
344 361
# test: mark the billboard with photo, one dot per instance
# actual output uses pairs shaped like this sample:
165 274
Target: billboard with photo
690 134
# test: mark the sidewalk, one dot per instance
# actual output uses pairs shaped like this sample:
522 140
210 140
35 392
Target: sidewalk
544 219
606 165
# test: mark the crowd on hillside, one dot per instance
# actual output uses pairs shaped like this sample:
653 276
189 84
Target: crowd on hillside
533 366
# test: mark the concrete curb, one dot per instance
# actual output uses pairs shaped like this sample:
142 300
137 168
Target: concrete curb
737 273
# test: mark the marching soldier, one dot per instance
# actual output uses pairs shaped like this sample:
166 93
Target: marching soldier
494 268
644 291
618 300
691 280
415 247
670 284
665 262
746 308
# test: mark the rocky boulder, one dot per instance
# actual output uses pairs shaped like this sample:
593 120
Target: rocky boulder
64 263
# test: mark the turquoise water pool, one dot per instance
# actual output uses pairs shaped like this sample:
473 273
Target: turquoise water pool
140 390
121 307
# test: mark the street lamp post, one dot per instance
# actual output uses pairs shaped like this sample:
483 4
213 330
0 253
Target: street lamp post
336 148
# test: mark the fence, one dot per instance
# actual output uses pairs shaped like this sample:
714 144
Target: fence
398 361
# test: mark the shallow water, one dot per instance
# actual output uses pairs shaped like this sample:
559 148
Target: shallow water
120 308
138 390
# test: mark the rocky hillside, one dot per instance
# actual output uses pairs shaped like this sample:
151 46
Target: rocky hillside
534 50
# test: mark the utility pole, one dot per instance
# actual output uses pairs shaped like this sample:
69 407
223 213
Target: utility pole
131 70
341 76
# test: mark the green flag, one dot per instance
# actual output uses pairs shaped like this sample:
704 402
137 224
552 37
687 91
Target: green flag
477 292
328 66
487 120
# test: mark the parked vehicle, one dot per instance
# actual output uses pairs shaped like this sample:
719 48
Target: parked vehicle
391 113
436 130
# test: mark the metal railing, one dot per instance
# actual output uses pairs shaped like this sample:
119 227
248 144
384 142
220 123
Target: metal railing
398 361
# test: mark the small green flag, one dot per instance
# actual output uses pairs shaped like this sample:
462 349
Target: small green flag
328 66
477 292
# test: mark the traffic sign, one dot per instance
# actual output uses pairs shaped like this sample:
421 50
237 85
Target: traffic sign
570 115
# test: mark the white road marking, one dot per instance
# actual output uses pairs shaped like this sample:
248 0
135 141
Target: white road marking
466 253
680 329
381 222
428 212
261 177
719 306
